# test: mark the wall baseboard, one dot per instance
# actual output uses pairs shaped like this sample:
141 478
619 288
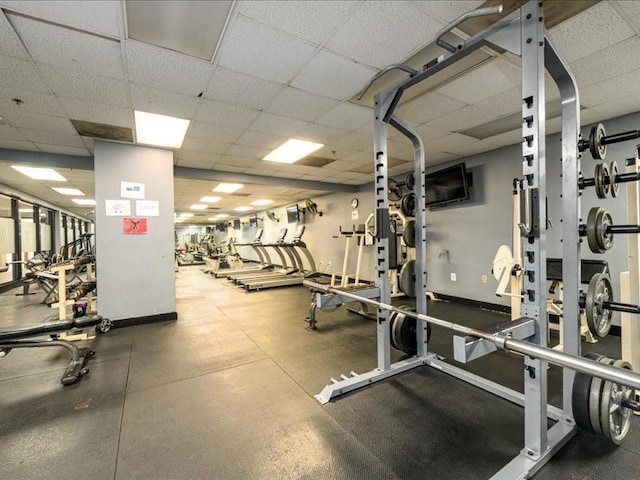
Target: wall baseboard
144 320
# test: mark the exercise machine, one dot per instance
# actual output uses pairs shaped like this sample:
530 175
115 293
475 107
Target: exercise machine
522 33
265 266
263 258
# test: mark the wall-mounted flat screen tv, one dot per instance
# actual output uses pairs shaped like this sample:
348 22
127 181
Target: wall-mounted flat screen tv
293 214
222 227
449 185
253 222
236 224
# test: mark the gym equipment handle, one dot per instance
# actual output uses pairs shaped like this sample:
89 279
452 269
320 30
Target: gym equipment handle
480 12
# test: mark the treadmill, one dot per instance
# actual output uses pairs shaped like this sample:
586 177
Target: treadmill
298 273
263 258
265 266
279 248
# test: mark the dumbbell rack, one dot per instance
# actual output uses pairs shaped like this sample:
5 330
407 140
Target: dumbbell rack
523 34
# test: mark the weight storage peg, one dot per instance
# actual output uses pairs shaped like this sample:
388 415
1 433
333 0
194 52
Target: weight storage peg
598 141
608 180
600 230
599 305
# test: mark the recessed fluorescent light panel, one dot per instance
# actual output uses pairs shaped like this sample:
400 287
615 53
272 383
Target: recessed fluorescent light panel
228 187
221 215
160 130
68 191
210 199
242 209
262 202
83 201
185 215
40 173
198 206
292 150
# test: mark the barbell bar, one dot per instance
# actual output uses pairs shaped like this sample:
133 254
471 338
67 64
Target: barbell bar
598 140
608 178
561 359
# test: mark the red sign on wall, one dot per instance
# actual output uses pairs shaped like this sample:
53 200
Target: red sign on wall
134 226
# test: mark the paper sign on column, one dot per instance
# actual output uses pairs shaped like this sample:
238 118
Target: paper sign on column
147 208
131 190
117 208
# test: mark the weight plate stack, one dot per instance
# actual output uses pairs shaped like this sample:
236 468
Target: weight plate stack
599 318
601 174
598 238
597 149
614 186
580 396
403 332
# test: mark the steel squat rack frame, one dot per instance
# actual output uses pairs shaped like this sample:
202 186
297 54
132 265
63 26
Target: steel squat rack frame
523 34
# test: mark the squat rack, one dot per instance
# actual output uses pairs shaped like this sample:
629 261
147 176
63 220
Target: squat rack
523 34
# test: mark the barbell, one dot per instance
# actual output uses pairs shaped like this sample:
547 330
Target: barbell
600 230
598 141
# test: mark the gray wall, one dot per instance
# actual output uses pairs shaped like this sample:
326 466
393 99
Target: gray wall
135 273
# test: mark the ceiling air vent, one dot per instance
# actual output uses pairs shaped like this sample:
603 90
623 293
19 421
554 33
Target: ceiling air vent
100 130
240 194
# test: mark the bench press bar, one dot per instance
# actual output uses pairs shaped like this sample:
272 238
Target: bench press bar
578 364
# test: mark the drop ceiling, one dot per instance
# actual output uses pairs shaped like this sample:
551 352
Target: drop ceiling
284 69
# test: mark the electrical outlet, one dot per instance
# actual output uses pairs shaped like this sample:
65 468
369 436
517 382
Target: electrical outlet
484 279
453 277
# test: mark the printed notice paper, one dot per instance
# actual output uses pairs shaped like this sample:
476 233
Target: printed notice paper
147 208
118 208
131 190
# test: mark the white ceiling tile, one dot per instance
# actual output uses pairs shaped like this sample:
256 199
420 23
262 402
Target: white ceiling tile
617 108
447 11
227 115
39 122
199 156
384 32
631 12
88 142
237 89
504 103
333 76
610 62
347 116
466 117
11 133
63 47
359 158
83 86
162 102
97 112
247 152
10 43
428 107
355 140
16 73
285 127
593 29
238 161
344 164
589 116
611 90
294 103
260 140
512 137
203 145
32 102
167 70
214 133
429 133
312 21
486 81
53 138
96 16
62 150
321 133
17 145
202 163
263 52
335 151
451 143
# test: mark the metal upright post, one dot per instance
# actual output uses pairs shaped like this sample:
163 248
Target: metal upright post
534 228
383 229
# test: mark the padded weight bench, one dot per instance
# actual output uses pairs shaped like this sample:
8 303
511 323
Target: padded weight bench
23 338
588 268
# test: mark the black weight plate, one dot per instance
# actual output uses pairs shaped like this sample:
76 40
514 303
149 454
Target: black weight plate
599 290
409 234
403 333
598 151
580 397
597 177
614 186
393 191
592 234
408 205
614 418
407 281
603 221
409 181
595 399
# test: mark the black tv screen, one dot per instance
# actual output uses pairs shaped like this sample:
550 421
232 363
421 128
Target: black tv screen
253 222
449 185
236 224
222 227
293 214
